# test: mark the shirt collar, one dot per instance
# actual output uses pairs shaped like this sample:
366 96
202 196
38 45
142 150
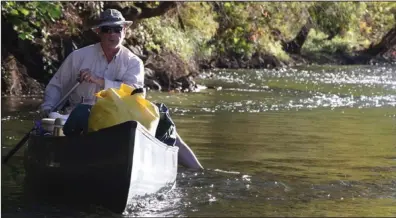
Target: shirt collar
100 49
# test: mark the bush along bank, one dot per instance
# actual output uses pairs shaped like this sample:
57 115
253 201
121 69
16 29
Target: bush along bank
176 40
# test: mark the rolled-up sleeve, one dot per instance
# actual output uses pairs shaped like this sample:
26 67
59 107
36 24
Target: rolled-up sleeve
58 83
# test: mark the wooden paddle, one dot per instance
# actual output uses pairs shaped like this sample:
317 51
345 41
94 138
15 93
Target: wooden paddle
26 137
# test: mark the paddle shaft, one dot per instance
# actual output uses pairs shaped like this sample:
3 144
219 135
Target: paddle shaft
64 97
26 137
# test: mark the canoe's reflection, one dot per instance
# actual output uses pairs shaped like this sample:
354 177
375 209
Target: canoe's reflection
59 195
83 197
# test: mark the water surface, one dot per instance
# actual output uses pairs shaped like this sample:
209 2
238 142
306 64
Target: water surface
309 141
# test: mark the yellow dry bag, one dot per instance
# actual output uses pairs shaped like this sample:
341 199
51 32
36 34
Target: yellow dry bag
115 106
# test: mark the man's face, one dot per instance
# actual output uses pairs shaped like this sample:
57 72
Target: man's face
112 36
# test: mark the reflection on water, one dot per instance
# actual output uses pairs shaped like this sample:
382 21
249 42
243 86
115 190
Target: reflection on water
292 142
15 104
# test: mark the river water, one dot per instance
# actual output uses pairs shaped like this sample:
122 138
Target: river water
308 141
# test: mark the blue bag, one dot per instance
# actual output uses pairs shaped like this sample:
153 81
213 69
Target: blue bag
166 130
77 123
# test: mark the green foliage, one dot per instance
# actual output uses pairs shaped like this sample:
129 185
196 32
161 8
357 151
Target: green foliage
31 18
378 19
233 29
335 18
232 39
269 46
161 34
287 17
355 25
198 18
275 22
165 32
200 24
317 42
246 28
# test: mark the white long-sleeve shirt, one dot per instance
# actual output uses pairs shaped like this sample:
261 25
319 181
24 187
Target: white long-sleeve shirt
124 68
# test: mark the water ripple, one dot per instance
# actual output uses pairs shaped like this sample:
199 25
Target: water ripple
295 89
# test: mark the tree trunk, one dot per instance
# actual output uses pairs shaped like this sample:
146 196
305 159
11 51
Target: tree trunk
387 43
296 44
15 80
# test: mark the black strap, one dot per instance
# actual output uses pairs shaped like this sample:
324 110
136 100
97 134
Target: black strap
138 90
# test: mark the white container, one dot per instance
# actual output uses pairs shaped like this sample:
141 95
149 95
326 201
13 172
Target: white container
48 124
55 115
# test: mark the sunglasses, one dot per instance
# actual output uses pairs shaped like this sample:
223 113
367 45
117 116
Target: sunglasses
111 29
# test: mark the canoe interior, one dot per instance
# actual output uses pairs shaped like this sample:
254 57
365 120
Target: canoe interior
113 166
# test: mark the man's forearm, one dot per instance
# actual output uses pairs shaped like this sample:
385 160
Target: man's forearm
51 97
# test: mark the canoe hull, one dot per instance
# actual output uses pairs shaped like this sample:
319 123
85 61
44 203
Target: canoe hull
113 166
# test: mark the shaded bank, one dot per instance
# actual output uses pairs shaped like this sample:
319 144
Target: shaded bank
176 42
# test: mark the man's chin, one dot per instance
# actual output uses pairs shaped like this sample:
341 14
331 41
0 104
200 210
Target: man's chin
112 44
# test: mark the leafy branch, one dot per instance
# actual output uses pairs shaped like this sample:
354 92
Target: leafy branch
30 18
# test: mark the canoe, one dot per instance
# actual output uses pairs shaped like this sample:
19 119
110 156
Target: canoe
114 166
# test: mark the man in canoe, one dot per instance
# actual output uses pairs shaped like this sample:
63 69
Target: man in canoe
103 65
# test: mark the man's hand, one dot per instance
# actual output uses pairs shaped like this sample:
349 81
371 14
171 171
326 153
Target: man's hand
86 75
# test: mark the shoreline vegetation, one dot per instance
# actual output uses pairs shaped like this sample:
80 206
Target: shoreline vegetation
177 40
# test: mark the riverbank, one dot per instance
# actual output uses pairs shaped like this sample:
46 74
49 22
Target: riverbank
168 72
176 41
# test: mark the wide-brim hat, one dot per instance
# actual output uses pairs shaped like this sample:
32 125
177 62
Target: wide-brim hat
112 17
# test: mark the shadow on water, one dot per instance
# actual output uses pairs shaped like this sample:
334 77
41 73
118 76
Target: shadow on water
208 192
16 104
23 199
